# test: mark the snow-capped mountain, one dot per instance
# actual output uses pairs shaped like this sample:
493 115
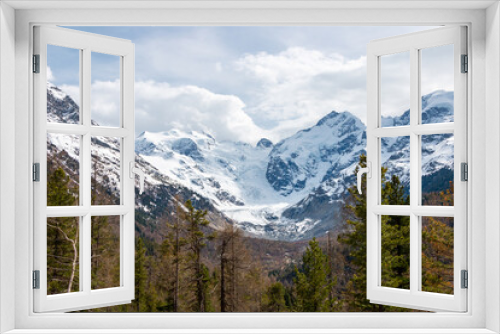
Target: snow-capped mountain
295 188
290 190
437 150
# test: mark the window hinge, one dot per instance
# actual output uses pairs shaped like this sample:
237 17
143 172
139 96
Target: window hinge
465 64
36 172
465 279
36 63
464 171
36 279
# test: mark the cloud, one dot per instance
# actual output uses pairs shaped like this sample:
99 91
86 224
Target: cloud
105 102
50 75
161 107
296 87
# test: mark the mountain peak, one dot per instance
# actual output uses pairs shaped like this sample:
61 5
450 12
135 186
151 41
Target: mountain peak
60 107
264 143
335 117
332 115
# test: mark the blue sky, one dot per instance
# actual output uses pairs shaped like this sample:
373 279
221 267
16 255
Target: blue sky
238 83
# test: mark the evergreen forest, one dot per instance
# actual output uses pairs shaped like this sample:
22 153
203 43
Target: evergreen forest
195 268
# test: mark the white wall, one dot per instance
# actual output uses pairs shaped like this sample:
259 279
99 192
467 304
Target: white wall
492 164
7 160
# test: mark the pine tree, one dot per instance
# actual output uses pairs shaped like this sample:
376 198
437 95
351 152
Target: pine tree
311 283
275 298
196 240
207 283
331 270
140 276
177 242
237 280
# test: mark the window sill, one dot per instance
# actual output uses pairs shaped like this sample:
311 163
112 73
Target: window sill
250 331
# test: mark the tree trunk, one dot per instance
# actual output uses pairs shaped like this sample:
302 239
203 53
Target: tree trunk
223 260
199 284
176 271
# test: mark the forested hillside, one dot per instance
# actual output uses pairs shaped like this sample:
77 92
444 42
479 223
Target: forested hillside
190 267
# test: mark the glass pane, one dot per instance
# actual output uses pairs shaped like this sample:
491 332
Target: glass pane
63 85
63 260
105 252
105 92
437 84
437 254
437 169
395 160
395 89
105 170
63 169
395 251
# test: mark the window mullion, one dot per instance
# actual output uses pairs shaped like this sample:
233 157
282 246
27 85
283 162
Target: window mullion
86 167
414 172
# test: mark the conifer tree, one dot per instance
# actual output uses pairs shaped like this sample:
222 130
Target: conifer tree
196 240
275 298
311 283
140 276
177 242
236 276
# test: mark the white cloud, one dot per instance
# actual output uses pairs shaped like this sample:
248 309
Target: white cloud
296 87
50 75
105 102
160 107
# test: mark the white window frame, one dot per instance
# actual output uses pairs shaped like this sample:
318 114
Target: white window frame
85 43
414 296
484 50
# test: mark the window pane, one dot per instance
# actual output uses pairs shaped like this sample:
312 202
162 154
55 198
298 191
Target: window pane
63 260
105 92
105 170
63 85
437 84
437 169
437 254
63 169
105 252
395 251
395 89
395 160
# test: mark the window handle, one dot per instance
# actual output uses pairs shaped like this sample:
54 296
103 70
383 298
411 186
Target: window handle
139 172
361 171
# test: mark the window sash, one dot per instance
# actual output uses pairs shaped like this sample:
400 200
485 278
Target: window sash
414 298
86 297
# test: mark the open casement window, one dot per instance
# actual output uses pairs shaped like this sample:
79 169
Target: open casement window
70 206
416 232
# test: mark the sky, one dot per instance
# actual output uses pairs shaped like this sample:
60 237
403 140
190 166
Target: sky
243 83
